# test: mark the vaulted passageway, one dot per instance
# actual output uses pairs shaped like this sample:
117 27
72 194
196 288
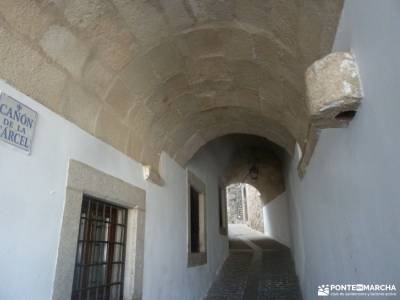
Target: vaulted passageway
242 153
259 266
153 76
153 107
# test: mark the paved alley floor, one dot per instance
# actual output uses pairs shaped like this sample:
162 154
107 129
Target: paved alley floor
257 268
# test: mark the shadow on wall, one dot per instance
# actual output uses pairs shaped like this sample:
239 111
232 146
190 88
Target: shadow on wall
246 206
276 219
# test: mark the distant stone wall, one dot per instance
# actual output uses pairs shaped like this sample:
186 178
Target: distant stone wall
245 206
254 207
235 207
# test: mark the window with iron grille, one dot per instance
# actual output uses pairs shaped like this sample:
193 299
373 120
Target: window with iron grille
100 254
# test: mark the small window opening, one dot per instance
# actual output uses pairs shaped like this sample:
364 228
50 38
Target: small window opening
194 220
223 226
346 115
196 226
220 209
100 254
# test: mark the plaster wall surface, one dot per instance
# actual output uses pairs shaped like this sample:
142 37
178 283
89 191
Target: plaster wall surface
345 212
276 219
32 199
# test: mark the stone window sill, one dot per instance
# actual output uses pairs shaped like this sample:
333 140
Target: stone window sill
197 259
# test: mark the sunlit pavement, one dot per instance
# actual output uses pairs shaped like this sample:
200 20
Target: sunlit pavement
257 268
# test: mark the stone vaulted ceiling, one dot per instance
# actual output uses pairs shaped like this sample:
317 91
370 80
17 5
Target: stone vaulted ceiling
148 76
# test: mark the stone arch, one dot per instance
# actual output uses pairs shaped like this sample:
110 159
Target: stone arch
188 136
270 181
238 153
135 73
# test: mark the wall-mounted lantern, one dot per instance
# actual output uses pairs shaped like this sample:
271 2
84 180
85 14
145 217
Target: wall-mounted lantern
253 172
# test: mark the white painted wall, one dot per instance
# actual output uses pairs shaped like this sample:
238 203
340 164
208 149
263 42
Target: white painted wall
276 219
32 198
166 275
345 212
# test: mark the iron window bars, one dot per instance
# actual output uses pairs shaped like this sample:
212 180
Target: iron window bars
100 254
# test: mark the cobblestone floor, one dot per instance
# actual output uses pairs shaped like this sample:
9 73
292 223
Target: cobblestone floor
257 268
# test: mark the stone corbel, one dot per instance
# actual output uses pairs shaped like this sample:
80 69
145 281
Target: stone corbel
150 174
334 93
